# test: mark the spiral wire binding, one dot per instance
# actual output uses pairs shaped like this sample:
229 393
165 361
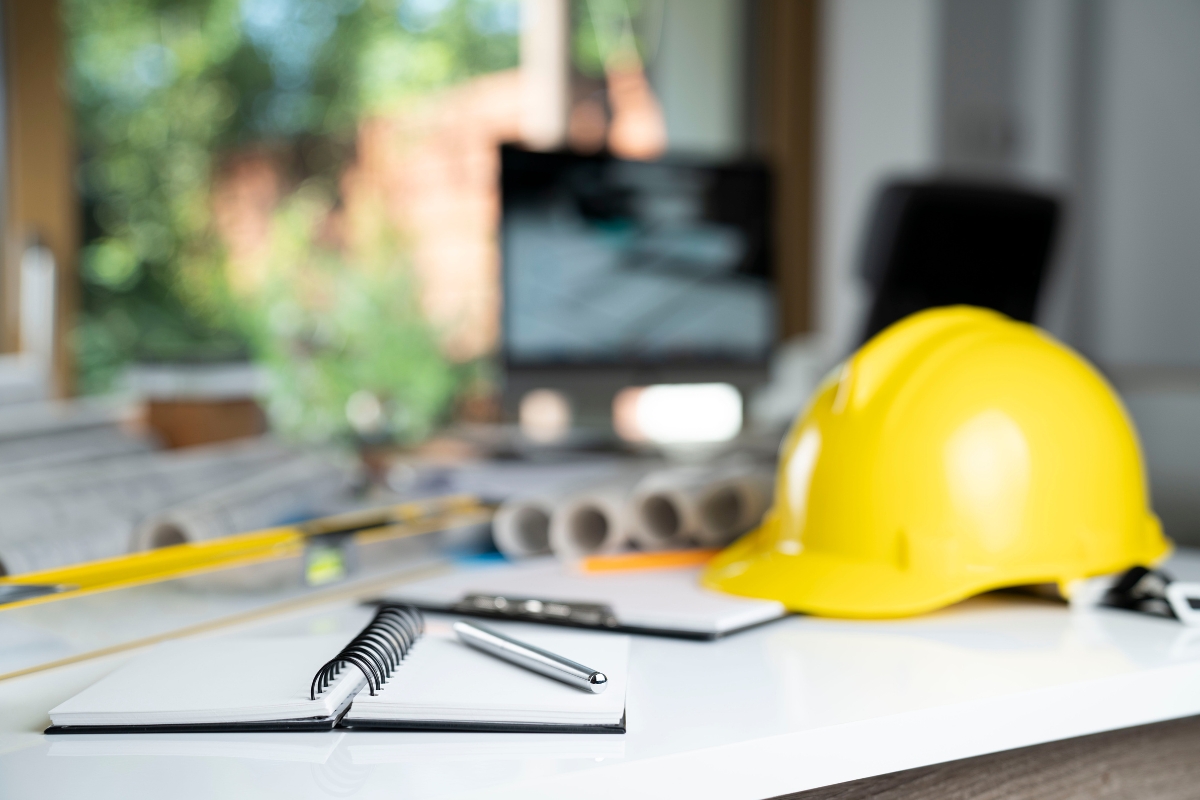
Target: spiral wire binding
377 650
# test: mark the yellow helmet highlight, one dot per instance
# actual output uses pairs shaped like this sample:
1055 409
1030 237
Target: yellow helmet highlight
957 452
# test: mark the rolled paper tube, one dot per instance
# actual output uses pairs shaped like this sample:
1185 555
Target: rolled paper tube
732 506
698 505
593 521
294 488
521 527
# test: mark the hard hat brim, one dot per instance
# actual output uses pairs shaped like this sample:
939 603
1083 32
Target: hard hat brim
825 584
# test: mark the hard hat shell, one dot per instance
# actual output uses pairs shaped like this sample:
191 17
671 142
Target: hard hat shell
957 452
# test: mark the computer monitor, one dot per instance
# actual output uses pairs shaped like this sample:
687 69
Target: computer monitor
620 273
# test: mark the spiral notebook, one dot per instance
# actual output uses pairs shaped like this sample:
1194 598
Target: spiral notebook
389 677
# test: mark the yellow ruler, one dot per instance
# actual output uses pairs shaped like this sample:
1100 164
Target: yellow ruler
405 519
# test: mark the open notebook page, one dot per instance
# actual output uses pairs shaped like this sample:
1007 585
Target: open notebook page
199 681
443 680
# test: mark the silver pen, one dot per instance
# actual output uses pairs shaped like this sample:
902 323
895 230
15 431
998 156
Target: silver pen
530 657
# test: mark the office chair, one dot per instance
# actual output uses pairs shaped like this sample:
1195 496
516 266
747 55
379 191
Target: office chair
949 242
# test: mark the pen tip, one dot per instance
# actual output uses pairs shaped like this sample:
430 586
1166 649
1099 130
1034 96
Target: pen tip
598 680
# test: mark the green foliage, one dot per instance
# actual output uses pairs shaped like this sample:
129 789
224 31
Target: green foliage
150 323
163 90
148 113
330 324
603 28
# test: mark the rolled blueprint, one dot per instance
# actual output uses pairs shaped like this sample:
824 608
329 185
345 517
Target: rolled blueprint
298 488
706 505
593 520
82 511
521 527
65 447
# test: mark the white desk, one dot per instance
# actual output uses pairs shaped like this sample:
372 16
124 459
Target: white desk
797 704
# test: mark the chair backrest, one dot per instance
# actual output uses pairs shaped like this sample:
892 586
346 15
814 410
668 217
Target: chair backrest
950 242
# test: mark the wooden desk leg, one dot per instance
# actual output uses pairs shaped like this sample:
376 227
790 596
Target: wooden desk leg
1151 762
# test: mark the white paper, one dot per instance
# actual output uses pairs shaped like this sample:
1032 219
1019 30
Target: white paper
668 599
445 680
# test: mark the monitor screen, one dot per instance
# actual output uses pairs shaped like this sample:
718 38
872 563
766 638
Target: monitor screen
620 262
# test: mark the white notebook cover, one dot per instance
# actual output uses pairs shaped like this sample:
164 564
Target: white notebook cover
210 681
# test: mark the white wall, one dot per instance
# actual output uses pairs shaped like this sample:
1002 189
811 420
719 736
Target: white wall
1147 268
1045 84
1049 114
1143 297
977 86
698 73
879 93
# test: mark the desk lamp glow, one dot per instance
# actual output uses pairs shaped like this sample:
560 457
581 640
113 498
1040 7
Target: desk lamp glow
678 414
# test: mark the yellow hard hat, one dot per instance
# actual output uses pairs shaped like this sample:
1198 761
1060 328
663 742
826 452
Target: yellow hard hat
956 452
